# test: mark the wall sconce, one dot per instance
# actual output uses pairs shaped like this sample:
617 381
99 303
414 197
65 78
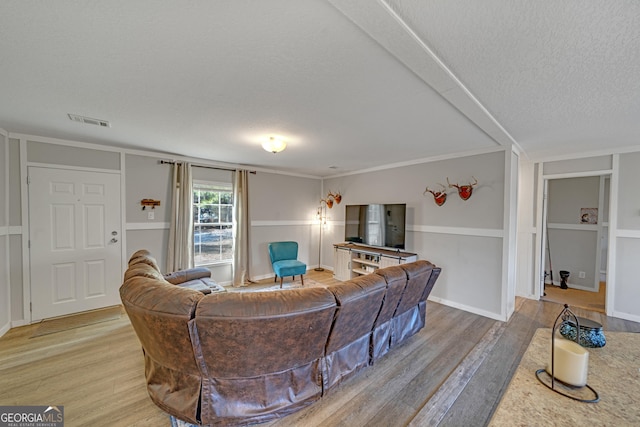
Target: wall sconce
274 145
331 198
569 364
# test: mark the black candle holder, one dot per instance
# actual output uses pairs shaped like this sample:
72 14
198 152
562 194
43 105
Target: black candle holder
564 389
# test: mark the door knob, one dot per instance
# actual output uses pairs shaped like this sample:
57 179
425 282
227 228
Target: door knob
114 240
114 233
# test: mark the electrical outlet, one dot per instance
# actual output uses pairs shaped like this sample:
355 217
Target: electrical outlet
151 215
582 275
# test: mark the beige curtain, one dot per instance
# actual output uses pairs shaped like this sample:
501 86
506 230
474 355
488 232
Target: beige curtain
241 228
180 251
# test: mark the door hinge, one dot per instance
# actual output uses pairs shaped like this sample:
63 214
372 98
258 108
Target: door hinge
31 307
28 244
28 180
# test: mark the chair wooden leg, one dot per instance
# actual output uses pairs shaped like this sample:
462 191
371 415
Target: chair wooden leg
275 278
281 282
302 279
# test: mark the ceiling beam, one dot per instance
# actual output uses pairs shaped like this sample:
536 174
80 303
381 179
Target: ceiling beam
382 23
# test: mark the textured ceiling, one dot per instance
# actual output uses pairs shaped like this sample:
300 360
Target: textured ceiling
350 84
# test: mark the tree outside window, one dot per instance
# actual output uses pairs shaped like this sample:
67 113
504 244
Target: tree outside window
212 222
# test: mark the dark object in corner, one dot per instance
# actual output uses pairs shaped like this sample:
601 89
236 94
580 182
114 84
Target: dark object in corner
564 275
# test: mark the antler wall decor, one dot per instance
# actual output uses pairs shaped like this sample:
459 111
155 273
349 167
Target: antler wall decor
464 191
331 197
438 196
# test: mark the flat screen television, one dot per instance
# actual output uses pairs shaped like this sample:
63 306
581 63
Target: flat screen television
376 224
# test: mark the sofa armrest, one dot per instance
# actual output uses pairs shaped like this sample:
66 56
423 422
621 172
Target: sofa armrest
178 277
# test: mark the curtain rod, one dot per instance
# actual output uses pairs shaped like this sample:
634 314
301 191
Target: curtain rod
171 162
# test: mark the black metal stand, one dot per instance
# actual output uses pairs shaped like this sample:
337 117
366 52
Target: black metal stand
569 391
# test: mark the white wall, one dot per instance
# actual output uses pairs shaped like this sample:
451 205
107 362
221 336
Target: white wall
626 295
623 285
15 234
465 238
573 244
5 292
282 207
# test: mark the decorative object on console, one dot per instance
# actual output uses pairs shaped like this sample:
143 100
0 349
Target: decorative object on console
274 145
464 191
569 364
438 196
149 202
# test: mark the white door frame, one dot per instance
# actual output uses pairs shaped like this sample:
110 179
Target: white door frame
541 220
86 255
24 196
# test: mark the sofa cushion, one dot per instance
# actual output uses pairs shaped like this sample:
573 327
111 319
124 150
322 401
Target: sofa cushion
190 274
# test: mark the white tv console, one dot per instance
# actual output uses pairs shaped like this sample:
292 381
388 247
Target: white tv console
351 260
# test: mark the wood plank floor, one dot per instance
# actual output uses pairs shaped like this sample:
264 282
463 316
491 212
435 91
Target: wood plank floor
97 371
594 301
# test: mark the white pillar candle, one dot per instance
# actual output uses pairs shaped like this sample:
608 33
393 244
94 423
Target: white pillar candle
571 362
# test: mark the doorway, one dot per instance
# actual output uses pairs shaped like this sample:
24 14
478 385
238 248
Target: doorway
576 240
74 241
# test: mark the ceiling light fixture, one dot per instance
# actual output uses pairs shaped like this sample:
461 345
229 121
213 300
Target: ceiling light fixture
274 145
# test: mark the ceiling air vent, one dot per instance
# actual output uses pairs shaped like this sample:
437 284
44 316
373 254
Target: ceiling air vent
89 120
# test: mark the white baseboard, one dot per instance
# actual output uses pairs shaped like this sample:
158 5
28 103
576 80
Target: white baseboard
5 329
18 323
474 310
626 316
574 286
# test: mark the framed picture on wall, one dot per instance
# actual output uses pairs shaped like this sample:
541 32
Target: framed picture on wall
588 215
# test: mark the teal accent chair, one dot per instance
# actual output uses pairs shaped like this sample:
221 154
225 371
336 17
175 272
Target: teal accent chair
284 260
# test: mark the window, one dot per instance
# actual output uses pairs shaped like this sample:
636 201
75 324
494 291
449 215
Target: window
212 222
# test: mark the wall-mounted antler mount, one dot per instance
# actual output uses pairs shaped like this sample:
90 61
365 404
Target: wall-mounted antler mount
331 197
464 191
438 196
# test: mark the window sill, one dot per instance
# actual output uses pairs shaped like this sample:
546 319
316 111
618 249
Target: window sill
215 264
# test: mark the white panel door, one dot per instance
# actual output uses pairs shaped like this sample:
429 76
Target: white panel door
75 245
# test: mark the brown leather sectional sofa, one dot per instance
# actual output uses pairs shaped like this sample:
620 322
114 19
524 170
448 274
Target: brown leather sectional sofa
239 358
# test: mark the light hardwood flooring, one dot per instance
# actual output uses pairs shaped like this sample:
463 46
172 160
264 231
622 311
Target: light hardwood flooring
97 372
594 301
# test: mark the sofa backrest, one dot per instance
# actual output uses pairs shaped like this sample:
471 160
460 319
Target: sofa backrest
418 274
396 280
359 301
249 334
435 273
